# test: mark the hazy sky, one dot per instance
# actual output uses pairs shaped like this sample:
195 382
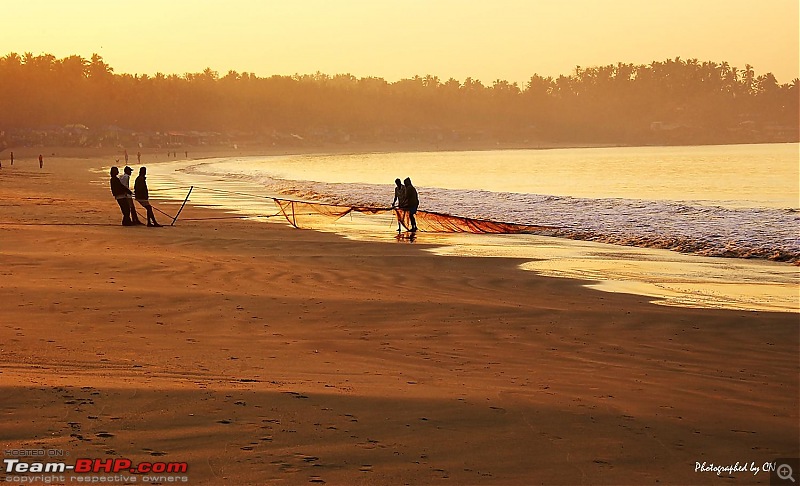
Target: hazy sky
394 39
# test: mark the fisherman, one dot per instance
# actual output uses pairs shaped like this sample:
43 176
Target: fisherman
411 202
120 193
399 198
143 196
125 179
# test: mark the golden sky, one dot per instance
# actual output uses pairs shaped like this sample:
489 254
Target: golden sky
394 39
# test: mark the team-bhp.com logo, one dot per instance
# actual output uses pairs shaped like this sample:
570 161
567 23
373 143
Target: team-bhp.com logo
120 467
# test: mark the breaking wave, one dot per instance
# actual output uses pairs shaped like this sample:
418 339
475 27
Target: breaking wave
683 226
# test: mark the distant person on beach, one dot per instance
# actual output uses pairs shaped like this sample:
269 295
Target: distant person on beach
412 202
143 196
12 158
126 156
125 179
139 157
120 193
41 161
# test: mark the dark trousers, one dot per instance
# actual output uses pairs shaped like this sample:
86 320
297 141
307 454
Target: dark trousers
126 211
411 212
151 218
134 216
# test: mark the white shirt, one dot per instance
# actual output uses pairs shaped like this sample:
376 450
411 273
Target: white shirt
125 179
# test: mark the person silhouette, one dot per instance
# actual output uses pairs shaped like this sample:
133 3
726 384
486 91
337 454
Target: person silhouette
120 193
143 196
412 202
125 179
399 200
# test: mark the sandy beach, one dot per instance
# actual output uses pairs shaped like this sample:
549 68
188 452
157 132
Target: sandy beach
258 354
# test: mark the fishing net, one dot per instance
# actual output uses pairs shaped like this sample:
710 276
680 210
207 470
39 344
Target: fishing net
312 215
446 223
318 215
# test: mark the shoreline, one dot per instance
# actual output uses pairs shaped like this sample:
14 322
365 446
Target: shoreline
343 149
258 352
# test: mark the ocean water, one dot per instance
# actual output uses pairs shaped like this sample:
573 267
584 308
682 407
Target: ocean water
620 206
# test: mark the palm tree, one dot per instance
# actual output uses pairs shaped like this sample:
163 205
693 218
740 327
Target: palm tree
98 69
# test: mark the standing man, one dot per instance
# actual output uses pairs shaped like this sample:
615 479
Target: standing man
41 161
125 179
143 196
399 199
412 202
120 192
12 158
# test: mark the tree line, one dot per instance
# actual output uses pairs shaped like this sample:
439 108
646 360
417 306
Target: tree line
675 100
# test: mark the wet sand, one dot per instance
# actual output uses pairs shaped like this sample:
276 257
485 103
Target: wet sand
259 353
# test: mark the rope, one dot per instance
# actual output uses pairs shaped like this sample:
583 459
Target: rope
232 217
162 212
22 223
261 196
291 219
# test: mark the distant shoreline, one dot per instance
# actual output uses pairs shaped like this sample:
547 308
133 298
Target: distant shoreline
22 154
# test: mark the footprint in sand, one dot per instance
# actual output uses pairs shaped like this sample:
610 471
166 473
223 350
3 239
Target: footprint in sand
285 467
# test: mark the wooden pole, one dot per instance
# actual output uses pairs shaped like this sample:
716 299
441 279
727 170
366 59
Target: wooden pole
182 205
